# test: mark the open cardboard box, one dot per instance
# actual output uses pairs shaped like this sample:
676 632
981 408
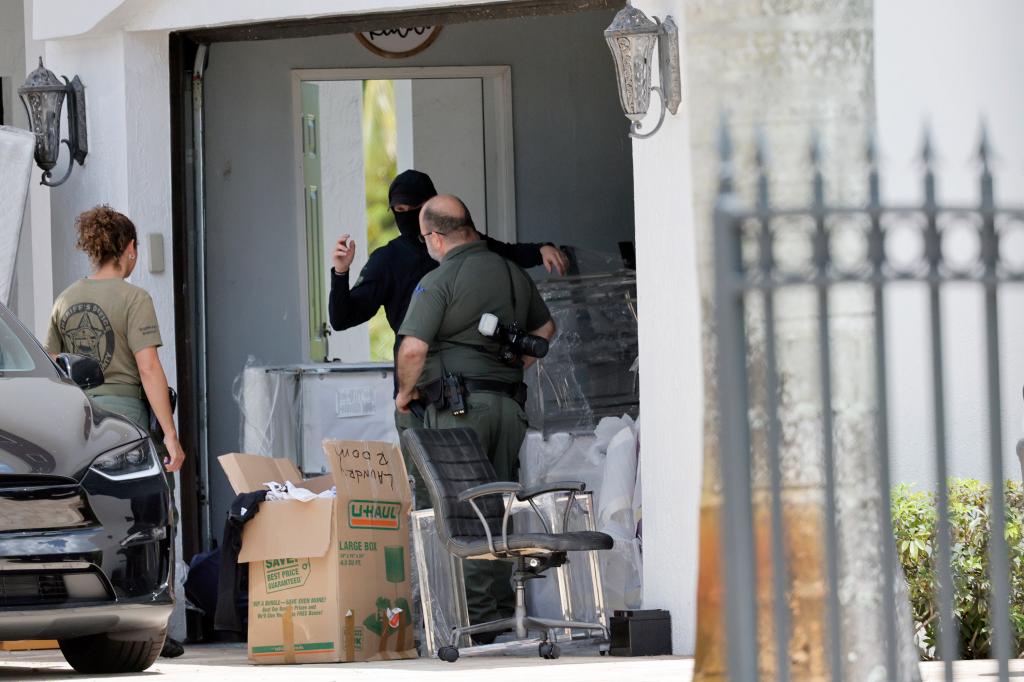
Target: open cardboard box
329 578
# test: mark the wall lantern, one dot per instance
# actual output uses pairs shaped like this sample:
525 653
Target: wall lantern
632 38
43 97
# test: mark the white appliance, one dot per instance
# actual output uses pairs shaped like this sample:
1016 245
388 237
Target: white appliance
288 411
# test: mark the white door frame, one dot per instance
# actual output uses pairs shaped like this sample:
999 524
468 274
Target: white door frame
499 149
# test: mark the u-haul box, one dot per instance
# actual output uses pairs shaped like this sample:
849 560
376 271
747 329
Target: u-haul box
329 578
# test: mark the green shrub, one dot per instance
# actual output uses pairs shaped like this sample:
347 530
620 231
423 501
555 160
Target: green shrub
914 523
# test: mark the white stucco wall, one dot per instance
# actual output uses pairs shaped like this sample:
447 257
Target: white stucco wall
128 166
147 120
950 64
671 375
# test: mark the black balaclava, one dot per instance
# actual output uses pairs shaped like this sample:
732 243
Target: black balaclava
408 222
413 188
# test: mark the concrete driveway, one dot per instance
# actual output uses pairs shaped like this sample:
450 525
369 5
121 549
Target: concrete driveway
221 663
226 663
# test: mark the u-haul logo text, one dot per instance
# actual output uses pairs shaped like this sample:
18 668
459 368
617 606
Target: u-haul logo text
374 514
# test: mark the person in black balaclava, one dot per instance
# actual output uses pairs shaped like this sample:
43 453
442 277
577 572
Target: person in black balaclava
393 271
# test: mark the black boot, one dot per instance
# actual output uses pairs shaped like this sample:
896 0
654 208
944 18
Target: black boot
172 648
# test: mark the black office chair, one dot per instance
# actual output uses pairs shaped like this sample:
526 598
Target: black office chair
472 520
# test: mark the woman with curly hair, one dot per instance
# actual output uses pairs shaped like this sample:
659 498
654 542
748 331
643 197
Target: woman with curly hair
114 322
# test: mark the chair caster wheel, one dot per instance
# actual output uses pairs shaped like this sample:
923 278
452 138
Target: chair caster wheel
549 650
449 654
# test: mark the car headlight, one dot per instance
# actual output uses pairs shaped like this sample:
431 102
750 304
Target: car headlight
123 465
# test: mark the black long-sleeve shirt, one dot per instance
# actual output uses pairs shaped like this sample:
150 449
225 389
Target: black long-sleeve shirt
392 273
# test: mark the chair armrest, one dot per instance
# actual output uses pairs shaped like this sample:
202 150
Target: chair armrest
571 487
553 487
496 488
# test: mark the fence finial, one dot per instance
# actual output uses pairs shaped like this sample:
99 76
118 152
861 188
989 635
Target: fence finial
761 156
871 151
816 149
985 147
927 148
871 154
725 172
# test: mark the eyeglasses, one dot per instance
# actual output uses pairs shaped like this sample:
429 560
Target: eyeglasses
423 237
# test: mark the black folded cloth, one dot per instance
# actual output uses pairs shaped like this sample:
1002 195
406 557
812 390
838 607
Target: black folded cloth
243 509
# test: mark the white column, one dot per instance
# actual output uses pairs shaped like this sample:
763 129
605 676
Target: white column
128 166
671 379
147 190
147 162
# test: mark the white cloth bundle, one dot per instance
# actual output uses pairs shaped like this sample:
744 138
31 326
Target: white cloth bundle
290 491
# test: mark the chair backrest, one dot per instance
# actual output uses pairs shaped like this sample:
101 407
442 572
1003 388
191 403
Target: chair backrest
451 461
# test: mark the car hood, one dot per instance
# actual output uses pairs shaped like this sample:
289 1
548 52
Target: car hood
49 427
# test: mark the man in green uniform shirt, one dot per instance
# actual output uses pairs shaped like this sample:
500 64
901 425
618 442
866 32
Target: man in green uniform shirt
442 339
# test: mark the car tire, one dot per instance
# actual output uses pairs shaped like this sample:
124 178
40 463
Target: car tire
98 654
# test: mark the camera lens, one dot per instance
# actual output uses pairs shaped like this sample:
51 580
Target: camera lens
533 346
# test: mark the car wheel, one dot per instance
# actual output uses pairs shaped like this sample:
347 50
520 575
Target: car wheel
98 654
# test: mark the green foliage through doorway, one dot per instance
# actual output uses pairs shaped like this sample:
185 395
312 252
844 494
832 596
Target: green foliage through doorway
380 141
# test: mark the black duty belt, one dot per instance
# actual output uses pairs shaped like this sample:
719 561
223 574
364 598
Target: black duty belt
515 391
434 391
119 390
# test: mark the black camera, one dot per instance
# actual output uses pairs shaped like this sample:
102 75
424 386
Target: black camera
515 343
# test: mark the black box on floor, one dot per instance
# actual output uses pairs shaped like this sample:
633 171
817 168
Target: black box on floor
641 633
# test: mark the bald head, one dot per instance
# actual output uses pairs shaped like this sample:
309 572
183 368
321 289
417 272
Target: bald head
444 224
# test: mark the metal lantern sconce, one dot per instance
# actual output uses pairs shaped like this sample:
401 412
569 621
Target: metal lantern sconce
43 96
632 38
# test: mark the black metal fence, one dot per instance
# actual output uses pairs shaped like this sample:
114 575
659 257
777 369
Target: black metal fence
742 281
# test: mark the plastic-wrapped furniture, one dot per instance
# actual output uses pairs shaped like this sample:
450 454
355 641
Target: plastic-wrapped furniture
590 371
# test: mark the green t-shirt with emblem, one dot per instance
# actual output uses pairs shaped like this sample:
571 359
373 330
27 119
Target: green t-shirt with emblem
108 320
447 305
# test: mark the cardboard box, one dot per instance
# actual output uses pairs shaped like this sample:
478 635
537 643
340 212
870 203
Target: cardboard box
329 578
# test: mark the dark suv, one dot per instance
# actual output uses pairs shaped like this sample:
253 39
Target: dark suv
86 532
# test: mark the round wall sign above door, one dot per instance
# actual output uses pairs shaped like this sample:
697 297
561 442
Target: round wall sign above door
396 43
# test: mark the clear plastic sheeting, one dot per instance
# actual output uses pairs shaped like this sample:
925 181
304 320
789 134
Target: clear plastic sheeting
607 460
590 371
268 405
570 592
439 586
289 411
574 590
